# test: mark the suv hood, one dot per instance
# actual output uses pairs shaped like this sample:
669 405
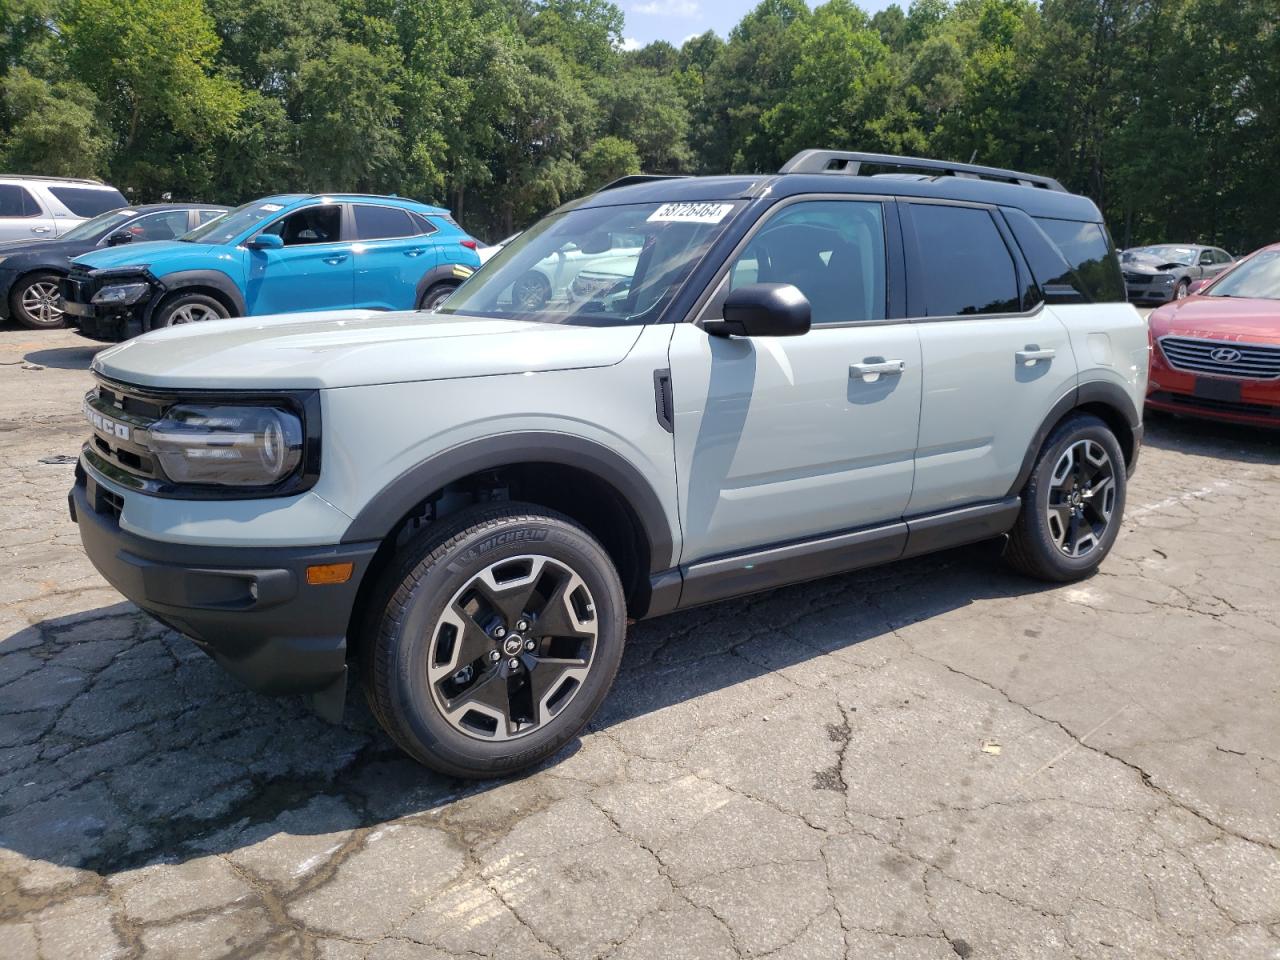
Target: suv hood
348 348
174 254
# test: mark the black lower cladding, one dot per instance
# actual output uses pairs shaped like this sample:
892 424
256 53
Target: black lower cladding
250 608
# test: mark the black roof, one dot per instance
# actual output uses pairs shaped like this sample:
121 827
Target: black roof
1033 200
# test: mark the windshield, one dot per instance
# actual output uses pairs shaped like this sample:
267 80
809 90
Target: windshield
1168 254
1258 277
227 227
103 223
598 265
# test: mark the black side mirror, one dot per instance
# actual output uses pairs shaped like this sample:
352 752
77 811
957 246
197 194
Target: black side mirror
118 238
762 310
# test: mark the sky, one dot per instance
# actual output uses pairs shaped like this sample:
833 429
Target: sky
677 20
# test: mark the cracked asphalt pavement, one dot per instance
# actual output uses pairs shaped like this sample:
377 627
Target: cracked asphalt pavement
934 759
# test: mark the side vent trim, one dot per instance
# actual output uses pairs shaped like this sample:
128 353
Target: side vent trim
663 400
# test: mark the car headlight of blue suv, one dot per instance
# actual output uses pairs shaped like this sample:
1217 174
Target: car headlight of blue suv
121 294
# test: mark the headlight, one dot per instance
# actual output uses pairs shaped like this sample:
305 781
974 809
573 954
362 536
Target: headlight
229 445
1164 278
121 295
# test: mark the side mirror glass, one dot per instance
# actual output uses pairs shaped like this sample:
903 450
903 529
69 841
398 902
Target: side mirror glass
1197 285
265 241
116 239
762 310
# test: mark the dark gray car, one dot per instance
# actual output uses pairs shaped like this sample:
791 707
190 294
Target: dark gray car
1165 271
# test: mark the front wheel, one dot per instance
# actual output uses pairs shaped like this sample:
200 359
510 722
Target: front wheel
494 640
1073 504
189 308
1181 290
437 295
36 303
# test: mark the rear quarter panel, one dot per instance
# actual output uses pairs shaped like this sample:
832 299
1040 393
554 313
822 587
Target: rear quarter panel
1111 345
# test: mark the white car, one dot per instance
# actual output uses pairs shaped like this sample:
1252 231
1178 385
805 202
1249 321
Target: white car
42 208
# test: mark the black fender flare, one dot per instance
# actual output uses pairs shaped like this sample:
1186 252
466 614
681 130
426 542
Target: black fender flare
1090 393
453 273
390 505
183 279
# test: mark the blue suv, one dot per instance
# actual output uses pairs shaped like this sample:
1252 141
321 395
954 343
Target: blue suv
276 255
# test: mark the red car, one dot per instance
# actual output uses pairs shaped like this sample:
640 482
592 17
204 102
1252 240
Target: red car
1216 353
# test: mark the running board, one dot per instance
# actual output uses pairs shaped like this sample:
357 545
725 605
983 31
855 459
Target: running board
720 578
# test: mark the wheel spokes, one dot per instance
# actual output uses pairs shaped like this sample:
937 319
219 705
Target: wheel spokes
512 647
1081 498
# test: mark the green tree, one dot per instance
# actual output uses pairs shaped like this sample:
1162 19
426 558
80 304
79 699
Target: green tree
51 128
608 159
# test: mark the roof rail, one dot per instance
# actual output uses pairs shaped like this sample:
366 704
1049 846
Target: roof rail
843 161
640 178
36 176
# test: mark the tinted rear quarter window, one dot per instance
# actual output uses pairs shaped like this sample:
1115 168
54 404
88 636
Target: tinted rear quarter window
1088 252
965 267
87 202
15 201
382 223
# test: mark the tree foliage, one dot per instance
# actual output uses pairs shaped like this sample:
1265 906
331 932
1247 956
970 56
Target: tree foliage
1166 112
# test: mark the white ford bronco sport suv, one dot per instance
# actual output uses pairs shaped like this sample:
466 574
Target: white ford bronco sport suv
802 374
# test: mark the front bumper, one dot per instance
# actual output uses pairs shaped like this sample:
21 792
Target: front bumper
1252 402
1150 292
250 608
94 321
7 278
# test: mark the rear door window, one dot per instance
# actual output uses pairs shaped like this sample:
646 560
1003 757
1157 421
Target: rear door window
382 223
16 201
964 265
87 202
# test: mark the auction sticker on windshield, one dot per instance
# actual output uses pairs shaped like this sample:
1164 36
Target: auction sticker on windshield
690 213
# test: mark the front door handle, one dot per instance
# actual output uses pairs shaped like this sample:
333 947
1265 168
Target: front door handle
872 368
41 229
334 261
1033 355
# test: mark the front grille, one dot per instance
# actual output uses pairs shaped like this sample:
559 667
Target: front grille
1138 279
1223 406
119 417
1222 358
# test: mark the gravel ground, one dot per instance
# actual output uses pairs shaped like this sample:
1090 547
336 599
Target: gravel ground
936 759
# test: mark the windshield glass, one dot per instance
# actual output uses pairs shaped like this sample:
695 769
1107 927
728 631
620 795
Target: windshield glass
599 266
1168 254
227 227
101 224
1257 277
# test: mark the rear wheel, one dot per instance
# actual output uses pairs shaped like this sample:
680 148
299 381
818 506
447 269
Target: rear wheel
36 303
1073 504
436 295
495 639
188 308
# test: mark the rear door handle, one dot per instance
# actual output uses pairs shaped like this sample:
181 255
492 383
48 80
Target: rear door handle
416 252
334 261
870 370
1033 355
41 229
